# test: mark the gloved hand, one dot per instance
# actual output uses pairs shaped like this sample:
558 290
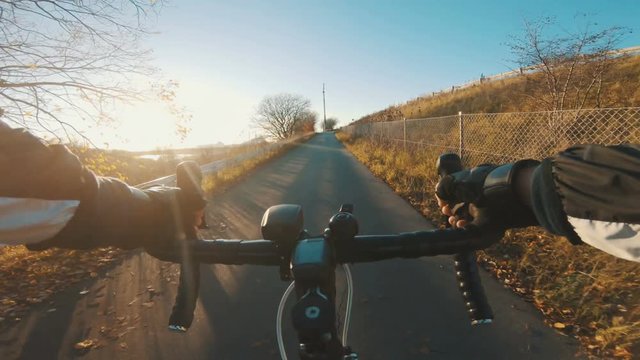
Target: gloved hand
178 216
158 219
485 197
188 204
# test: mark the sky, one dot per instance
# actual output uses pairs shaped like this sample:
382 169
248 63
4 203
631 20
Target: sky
228 55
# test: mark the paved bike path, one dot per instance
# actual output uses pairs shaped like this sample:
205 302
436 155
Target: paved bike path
403 309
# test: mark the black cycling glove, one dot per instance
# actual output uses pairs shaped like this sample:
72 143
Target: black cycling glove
490 191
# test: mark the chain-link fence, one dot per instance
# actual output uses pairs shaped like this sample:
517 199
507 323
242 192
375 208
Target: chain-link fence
502 137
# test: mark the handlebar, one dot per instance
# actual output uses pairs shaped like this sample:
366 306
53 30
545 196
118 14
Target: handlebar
362 248
311 261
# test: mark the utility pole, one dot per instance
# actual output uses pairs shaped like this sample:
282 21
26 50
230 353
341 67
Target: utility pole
324 109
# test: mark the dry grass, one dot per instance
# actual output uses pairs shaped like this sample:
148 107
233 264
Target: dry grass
582 291
513 95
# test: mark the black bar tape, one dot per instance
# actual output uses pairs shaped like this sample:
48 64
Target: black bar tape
367 248
236 252
471 288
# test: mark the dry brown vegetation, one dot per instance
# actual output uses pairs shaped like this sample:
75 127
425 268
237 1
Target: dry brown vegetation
513 95
582 291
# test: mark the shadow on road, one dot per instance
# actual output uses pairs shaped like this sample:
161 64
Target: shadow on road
46 327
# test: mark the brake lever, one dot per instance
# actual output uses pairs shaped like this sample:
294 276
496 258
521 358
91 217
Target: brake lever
188 179
466 265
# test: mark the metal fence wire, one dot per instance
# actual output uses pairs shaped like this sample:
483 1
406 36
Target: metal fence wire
503 137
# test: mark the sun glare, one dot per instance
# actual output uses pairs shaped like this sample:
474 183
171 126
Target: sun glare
216 115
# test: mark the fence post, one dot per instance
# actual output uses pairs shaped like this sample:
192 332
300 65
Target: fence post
404 128
461 130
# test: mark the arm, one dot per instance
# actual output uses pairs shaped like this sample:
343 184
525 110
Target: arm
50 199
587 193
42 189
590 194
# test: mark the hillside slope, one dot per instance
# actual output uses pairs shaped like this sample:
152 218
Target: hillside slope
620 89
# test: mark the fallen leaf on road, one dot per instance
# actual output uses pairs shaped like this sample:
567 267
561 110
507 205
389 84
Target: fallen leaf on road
124 346
7 302
148 304
559 325
93 274
133 301
84 344
51 310
84 292
108 333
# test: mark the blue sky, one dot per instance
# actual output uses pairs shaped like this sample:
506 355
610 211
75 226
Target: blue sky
228 55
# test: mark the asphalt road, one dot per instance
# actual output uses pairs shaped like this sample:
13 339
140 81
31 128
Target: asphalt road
403 309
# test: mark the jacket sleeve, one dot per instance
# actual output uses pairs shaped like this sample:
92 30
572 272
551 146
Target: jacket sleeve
41 171
51 200
42 189
591 194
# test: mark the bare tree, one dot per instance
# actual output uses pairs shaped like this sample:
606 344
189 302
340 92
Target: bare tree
280 116
573 66
307 123
70 59
331 123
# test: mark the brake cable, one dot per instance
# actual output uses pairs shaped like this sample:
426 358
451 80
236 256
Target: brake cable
347 317
283 300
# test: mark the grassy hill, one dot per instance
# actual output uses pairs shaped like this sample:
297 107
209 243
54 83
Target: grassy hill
620 89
